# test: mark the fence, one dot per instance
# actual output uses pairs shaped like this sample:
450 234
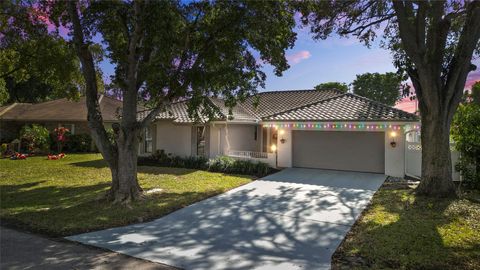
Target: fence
268 158
413 160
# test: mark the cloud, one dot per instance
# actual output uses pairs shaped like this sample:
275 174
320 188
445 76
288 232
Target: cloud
298 57
472 78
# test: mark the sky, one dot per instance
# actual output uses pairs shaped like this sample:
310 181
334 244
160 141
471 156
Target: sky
313 62
334 59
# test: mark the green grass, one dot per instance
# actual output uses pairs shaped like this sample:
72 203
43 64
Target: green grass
64 197
403 231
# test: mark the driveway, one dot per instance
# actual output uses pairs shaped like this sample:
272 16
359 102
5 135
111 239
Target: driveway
294 219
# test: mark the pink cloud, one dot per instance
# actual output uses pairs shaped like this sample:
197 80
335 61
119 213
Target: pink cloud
297 57
473 77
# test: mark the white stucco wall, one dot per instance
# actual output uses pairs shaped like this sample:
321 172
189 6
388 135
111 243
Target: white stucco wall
173 138
234 137
394 156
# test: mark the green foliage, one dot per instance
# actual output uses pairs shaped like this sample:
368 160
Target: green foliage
383 88
36 63
466 134
4 96
35 137
333 85
230 165
3 148
219 164
76 143
475 95
194 49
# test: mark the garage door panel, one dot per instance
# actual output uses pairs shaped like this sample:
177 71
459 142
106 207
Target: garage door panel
339 150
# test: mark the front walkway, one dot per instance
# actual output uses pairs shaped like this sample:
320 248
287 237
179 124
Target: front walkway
21 250
294 219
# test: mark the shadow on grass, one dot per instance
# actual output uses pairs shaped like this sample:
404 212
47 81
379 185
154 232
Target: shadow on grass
156 170
410 241
60 211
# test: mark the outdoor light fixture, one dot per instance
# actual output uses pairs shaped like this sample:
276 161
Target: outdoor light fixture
282 140
273 148
393 134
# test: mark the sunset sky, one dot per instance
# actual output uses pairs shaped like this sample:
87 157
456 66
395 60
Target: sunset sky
335 59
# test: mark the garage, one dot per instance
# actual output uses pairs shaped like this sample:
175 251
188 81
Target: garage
339 150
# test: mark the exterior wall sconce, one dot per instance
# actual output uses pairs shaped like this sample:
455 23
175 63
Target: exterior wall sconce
282 140
273 148
393 134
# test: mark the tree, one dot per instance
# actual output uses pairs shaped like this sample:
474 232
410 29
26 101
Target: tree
434 42
171 50
384 88
36 63
333 85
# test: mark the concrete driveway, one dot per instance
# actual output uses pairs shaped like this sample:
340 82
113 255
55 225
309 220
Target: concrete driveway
294 219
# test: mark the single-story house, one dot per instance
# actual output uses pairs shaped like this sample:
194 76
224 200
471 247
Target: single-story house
325 129
52 114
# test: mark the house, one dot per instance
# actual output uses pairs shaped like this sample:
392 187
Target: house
52 114
325 129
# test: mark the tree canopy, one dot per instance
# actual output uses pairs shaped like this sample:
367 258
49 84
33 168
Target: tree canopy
36 63
384 88
433 42
166 51
333 85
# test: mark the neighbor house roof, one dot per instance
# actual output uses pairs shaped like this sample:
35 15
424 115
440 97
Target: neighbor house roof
297 105
60 110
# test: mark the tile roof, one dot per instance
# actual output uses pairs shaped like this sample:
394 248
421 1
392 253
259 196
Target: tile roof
278 101
238 113
178 112
297 105
60 109
346 107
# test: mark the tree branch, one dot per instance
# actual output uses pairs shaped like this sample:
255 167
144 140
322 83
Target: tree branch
460 65
406 32
94 115
363 27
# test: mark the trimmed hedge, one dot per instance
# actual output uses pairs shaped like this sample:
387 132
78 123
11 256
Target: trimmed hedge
219 164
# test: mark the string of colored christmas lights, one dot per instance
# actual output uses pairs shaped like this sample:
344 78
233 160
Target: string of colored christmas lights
339 126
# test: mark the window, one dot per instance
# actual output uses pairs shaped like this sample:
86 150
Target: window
148 140
255 130
70 127
200 139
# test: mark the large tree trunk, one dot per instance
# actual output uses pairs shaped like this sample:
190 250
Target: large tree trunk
124 187
436 158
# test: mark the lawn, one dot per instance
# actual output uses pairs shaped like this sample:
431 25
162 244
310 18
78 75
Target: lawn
400 230
64 197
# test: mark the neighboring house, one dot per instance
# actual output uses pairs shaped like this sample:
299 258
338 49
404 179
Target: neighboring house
52 114
302 128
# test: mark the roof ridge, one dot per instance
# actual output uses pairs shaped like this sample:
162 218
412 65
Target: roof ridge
297 90
305 105
8 108
218 108
381 104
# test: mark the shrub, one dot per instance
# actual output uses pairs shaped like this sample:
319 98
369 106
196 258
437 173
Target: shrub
219 164
78 143
35 137
466 134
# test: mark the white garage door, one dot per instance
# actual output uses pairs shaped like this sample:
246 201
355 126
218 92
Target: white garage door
339 150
